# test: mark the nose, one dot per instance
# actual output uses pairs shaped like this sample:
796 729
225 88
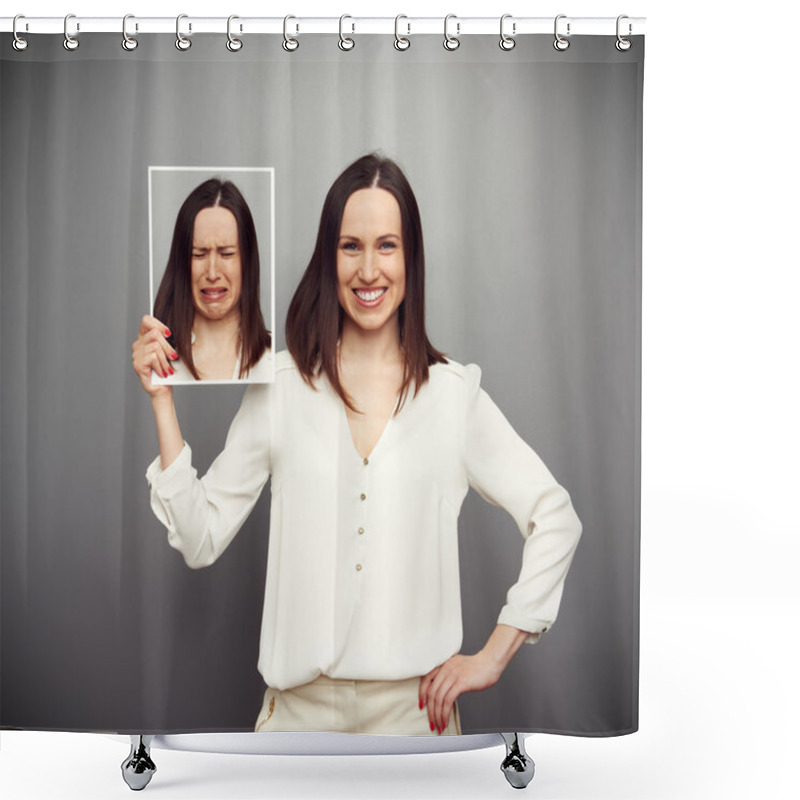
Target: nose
212 268
369 266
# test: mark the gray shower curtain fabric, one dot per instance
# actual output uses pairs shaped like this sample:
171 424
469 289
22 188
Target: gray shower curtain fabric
527 167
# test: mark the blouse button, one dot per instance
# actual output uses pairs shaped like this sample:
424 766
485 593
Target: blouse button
366 461
363 496
361 530
358 567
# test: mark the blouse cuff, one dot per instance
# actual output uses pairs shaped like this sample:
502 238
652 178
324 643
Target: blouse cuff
514 619
158 478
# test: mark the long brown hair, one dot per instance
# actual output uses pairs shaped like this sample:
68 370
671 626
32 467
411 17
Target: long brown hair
314 319
174 306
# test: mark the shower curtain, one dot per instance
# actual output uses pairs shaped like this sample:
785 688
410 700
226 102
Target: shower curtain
526 165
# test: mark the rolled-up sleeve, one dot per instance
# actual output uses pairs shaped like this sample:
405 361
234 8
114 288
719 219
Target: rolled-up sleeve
506 472
203 515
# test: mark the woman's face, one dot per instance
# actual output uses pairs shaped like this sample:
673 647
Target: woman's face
216 264
370 263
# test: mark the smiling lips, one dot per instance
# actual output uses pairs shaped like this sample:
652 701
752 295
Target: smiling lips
370 297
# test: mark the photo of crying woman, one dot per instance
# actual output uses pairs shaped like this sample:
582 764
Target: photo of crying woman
209 297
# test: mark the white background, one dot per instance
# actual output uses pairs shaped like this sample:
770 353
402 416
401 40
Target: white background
719 702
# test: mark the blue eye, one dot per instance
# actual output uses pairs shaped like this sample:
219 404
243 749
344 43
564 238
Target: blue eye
388 245
350 246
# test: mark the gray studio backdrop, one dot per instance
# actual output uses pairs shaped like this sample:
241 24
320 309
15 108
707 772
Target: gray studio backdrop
527 168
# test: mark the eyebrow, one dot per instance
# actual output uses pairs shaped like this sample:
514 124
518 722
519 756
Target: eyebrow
220 247
379 238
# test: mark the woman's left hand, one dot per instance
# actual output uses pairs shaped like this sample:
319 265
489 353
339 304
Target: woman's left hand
440 688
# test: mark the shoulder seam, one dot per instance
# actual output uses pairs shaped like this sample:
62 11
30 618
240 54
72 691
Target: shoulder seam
454 368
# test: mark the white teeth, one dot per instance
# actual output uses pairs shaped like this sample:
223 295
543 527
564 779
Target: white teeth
368 297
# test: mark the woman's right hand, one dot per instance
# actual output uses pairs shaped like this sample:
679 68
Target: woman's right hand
152 351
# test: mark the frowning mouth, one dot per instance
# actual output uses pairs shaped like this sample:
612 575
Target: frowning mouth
215 293
370 297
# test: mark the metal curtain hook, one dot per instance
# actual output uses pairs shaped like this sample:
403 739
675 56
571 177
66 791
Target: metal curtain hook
507 42
233 44
128 42
451 42
70 42
560 42
622 44
345 42
401 42
181 42
19 43
290 44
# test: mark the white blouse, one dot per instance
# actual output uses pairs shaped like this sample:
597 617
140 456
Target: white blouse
362 570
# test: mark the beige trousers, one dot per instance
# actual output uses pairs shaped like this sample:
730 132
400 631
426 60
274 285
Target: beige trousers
340 706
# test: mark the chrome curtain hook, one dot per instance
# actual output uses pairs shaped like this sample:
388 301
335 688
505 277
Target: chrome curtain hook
560 42
70 42
128 42
233 44
507 42
181 42
622 44
19 44
451 42
345 42
401 42
290 44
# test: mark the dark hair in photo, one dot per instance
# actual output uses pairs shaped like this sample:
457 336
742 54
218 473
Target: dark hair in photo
314 319
174 306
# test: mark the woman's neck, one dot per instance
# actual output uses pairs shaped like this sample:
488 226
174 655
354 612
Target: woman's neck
215 350
216 333
363 346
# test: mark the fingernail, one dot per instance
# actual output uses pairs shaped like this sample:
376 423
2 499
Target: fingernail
165 375
433 727
420 704
171 371
175 356
168 332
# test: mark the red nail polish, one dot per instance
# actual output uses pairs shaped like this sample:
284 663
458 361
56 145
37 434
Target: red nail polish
165 375
171 371
167 332
433 727
421 704
174 356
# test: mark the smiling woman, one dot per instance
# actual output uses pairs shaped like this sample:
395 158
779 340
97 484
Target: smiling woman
207 322
370 263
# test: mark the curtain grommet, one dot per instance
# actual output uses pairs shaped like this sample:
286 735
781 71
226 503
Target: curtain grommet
182 42
18 43
129 43
401 43
561 43
451 43
346 43
70 42
289 44
233 44
507 42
